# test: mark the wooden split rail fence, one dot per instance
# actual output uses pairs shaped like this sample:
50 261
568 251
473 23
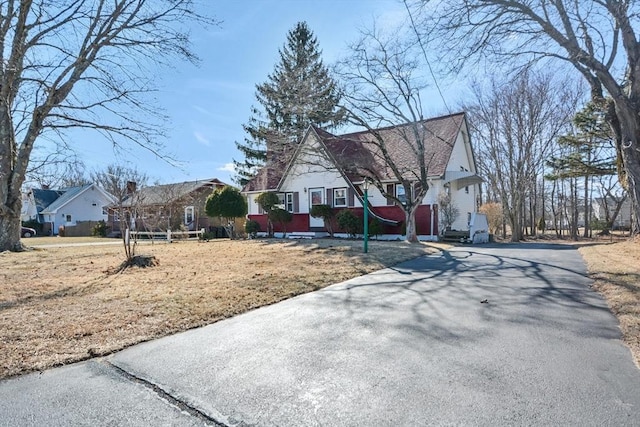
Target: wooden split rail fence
168 235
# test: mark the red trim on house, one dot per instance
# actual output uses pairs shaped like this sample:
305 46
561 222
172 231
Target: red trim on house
300 222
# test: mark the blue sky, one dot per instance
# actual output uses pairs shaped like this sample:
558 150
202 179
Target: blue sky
208 105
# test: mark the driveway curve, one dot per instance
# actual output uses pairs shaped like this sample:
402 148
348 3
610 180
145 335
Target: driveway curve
479 335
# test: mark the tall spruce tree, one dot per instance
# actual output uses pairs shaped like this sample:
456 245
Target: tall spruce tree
299 93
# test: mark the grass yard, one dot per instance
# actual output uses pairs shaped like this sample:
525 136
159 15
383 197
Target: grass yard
64 304
615 268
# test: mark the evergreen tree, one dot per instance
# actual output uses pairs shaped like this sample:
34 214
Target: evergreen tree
299 93
591 146
590 152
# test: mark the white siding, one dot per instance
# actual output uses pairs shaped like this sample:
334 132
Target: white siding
463 200
311 170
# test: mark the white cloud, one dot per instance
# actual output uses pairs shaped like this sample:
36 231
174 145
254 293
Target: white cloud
227 167
201 138
202 110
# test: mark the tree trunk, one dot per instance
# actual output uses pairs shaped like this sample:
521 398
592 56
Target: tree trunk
515 221
587 211
410 221
10 226
573 187
626 126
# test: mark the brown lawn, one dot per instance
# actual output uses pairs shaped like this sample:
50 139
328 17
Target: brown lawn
615 268
60 305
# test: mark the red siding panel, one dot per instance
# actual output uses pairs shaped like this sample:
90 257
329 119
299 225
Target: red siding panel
300 222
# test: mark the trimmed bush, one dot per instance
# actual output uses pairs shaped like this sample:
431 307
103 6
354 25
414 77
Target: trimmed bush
375 227
349 222
100 229
282 217
325 212
252 228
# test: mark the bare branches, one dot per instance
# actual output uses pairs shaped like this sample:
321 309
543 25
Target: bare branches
598 38
516 125
83 63
382 87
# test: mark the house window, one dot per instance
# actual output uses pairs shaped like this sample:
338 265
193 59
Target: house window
285 201
400 194
340 197
105 211
188 215
68 217
289 200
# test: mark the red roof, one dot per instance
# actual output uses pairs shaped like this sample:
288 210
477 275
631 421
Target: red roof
359 154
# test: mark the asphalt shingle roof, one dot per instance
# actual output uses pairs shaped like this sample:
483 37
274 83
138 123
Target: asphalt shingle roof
357 154
44 198
165 193
66 196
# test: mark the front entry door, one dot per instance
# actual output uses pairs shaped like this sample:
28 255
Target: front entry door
316 197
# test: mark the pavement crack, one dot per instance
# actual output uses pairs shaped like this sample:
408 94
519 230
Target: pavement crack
180 404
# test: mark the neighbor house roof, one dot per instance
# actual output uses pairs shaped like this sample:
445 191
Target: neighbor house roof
69 194
43 198
357 155
165 193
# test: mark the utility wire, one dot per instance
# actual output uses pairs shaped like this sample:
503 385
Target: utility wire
424 53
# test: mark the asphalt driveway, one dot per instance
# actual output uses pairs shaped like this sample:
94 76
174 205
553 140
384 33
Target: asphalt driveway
411 345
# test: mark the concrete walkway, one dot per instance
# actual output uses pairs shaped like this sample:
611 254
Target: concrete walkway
412 345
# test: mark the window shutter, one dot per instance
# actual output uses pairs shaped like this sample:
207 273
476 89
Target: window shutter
296 202
350 197
330 196
390 188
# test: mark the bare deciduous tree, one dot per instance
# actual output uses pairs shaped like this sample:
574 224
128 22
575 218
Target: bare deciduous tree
516 124
596 38
122 183
80 63
382 87
448 212
612 197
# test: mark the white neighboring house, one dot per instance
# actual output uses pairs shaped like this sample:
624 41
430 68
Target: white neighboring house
72 205
329 169
622 221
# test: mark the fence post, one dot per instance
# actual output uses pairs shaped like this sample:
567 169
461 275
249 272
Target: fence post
169 236
202 232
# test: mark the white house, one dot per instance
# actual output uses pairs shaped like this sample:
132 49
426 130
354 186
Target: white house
330 169
623 219
66 207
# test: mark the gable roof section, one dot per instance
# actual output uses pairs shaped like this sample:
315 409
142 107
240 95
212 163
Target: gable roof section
70 194
43 198
356 155
165 193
